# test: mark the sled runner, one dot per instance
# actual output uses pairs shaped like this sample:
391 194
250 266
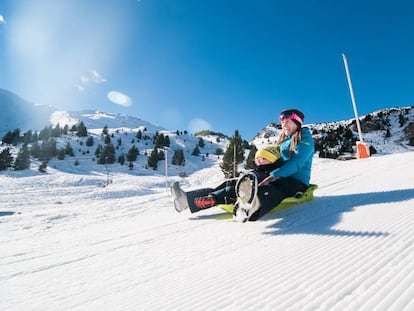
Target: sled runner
288 202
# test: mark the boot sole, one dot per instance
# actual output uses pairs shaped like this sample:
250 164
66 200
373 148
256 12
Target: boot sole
246 190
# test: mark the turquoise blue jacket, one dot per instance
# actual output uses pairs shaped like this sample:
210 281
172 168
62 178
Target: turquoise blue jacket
300 164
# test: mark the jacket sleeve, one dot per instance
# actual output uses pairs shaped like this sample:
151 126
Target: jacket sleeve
304 149
267 168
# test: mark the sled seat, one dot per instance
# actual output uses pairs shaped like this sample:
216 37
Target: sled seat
300 197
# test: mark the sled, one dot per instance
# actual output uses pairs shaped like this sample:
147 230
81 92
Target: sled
288 202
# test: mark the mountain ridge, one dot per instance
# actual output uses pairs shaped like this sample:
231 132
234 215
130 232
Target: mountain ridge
386 131
20 113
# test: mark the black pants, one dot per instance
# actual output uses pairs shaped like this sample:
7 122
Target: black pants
224 194
275 192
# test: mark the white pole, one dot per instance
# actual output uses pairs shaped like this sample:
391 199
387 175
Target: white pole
166 169
352 97
234 159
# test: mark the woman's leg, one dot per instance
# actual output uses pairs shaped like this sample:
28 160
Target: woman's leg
226 192
185 200
223 194
273 193
196 200
191 195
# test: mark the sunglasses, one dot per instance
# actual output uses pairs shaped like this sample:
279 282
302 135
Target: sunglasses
290 115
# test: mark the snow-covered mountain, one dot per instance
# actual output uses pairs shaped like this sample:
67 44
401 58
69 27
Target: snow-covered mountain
123 131
97 120
387 131
19 113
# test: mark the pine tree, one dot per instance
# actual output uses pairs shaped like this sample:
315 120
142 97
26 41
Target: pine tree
388 133
7 138
89 141
108 155
132 154
250 164
11 138
35 150
61 154
46 133
161 155
201 143
82 131
23 159
47 150
69 150
98 151
219 151
121 159
233 156
28 137
107 139
42 167
57 131
153 159
178 158
159 140
196 151
6 159
105 130
167 141
401 120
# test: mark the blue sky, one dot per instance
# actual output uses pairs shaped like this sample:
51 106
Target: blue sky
216 64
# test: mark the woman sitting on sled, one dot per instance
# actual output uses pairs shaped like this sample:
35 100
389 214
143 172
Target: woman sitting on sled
255 195
266 160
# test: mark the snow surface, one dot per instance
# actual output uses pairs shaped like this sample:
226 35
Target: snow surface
68 244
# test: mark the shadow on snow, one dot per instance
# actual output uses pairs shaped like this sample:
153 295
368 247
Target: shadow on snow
323 213
6 214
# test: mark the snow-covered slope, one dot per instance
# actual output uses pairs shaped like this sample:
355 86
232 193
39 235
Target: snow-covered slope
122 131
67 244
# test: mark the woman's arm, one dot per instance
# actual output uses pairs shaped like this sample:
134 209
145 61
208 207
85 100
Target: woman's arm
304 149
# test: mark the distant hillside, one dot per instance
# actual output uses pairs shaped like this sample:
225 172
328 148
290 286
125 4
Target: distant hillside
386 131
78 154
97 120
19 113
116 135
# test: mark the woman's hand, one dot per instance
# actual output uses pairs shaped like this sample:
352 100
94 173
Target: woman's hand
267 180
